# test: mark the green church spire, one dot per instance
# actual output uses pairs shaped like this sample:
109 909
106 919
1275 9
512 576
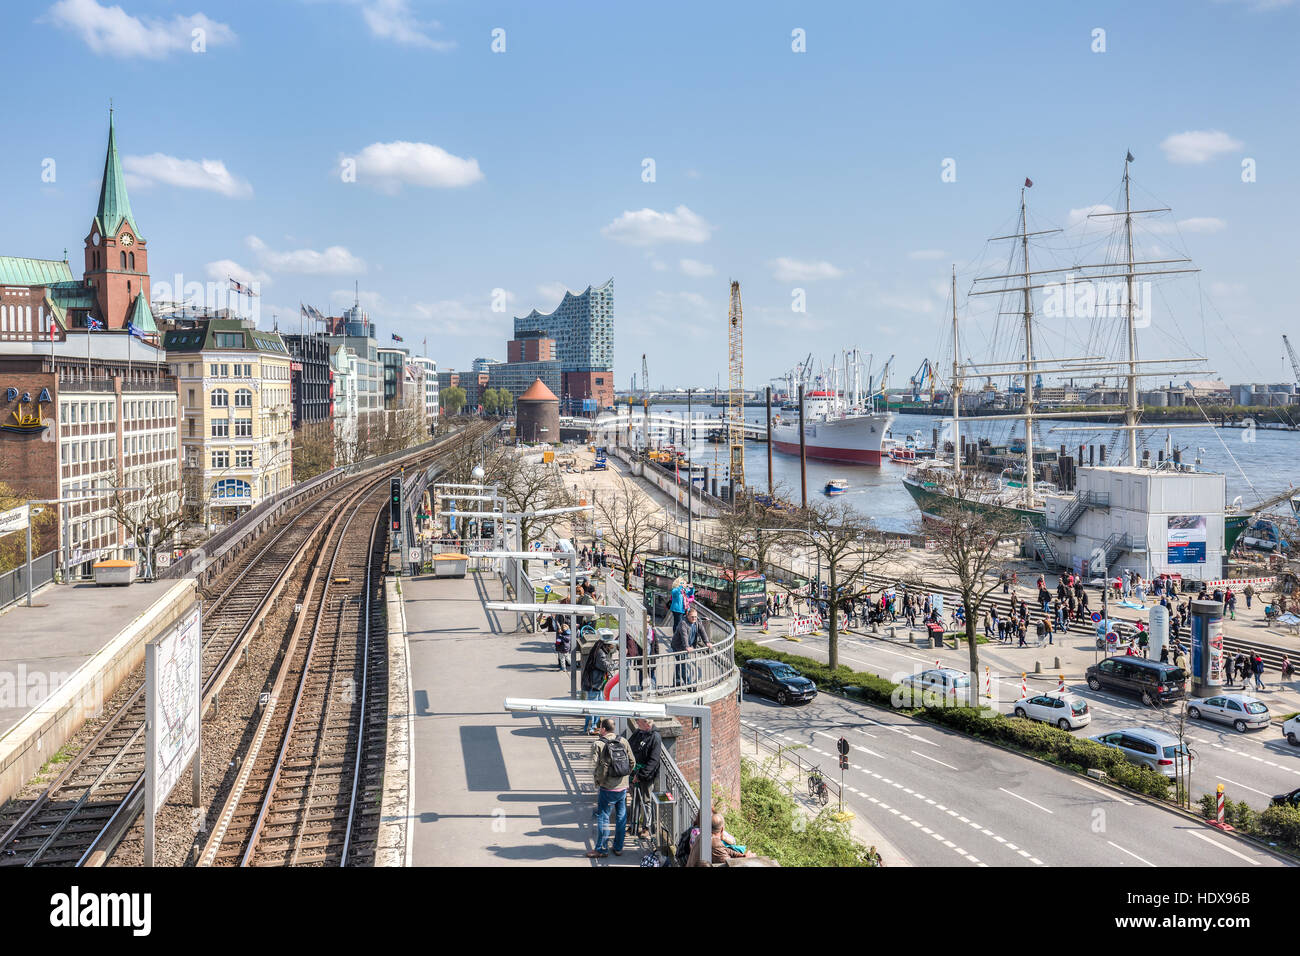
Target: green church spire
114 205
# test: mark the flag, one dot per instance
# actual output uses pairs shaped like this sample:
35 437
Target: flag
1028 181
397 338
1128 157
240 287
92 325
130 327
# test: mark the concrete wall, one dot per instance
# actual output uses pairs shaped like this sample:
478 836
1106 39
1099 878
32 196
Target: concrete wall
39 735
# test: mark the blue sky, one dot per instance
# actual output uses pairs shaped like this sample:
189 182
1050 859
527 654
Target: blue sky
523 169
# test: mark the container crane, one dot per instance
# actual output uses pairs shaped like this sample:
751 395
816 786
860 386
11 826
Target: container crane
736 383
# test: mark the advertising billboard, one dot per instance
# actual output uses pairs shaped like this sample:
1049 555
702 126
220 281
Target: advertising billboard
1185 539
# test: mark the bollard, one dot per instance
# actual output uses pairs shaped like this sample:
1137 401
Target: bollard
1061 683
1056 663
1038 667
911 637
1218 813
1024 686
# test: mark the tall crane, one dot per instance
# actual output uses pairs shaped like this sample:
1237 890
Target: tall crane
736 382
645 401
1295 363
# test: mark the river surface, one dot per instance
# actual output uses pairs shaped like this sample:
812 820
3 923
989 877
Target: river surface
1256 463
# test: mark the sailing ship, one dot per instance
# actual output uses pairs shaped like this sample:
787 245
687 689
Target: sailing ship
939 486
841 423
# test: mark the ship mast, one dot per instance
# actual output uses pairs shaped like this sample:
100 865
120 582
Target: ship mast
1131 415
956 385
1029 356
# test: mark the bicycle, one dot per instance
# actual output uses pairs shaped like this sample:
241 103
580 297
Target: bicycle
817 788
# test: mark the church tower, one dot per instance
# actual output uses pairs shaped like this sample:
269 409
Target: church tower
117 258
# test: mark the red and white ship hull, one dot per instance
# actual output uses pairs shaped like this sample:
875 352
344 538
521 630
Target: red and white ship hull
854 439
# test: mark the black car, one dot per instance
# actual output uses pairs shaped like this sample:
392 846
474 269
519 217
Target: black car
1291 799
776 679
1154 682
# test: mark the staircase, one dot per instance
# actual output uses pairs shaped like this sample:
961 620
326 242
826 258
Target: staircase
1044 546
1114 546
1077 505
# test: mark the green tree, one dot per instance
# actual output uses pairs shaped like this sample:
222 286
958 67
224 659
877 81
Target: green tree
452 399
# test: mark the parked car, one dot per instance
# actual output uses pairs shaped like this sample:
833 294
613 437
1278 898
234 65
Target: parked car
1240 710
1065 710
1291 731
776 679
1154 682
944 682
1157 750
1291 799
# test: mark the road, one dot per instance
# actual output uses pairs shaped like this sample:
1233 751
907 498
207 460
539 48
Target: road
1252 766
946 800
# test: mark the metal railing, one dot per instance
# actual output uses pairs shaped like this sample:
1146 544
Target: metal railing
681 673
790 755
677 817
13 584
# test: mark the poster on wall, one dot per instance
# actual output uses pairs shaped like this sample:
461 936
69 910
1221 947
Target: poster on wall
1185 539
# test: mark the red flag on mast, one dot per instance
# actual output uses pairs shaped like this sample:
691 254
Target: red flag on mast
1028 181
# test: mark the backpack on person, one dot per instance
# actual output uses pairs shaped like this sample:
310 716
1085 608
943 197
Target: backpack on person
618 760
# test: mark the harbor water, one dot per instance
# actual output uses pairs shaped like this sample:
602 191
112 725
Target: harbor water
1256 463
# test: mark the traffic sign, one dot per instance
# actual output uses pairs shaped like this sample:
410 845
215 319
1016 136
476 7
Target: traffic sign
842 746
844 762
546 589
1096 618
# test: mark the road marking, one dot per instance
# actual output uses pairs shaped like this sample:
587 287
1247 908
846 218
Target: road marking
1243 786
1030 802
1202 836
770 640
932 759
1131 853
1105 793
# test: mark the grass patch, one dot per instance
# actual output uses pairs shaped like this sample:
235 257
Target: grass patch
771 823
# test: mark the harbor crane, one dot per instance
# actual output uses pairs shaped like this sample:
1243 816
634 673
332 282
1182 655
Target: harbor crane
1295 363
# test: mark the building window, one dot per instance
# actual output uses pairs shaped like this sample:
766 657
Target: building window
243 398
231 488
243 428
220 428
220 398
131 256
124 261
244 458
221 459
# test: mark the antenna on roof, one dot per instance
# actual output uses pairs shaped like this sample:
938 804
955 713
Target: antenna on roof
357 301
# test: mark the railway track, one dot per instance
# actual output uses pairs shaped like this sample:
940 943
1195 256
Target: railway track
296 800
85 811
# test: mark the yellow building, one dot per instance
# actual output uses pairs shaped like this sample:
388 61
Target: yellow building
236 414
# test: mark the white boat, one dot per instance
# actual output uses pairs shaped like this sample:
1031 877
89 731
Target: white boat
836 486
840 423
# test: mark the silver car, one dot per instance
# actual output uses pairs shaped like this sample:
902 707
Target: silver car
1241 710
1154 749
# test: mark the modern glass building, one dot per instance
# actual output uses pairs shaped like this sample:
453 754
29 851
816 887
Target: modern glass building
583 329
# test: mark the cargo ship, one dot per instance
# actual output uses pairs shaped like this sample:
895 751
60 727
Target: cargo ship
841 423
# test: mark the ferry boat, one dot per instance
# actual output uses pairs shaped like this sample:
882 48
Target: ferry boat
836 486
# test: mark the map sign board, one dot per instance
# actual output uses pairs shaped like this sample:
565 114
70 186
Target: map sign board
1185 539
173 689
15 519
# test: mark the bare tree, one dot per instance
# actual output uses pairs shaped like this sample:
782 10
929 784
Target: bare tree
967 537
527 486
13 547
151 517
631 524
848 546
313 450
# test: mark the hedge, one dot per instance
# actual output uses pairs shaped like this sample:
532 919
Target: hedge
1279 825
1037 739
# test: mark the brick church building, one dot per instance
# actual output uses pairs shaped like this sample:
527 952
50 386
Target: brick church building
86 399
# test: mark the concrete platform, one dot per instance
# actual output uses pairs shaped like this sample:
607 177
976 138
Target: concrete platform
491 788
63 657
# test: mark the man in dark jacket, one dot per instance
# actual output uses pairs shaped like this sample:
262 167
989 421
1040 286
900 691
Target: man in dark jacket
594 673
688 636
647 750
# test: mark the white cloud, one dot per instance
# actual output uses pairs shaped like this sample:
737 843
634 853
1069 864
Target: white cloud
796 270
389 165
926 254
552 291
646 227
393 20
336 260
1194 224
223 269
114 32
209 174
1198 146
695 269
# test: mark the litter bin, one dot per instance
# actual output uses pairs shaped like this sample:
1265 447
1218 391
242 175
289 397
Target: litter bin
936 634
449 565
